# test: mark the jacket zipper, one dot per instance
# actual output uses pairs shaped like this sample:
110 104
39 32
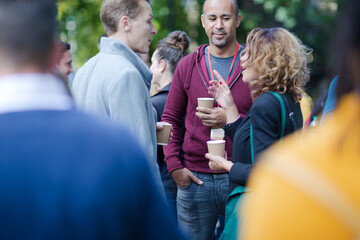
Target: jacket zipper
197 66
238 76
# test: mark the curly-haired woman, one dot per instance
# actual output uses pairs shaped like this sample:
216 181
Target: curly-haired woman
274 61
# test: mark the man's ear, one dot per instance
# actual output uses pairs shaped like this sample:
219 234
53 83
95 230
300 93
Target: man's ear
238 20
202 20
162 65
125 23
55 55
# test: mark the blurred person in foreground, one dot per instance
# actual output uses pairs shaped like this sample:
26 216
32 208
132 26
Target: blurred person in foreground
64 64
64 174
168 53
311 190
275 66
202 192
115 83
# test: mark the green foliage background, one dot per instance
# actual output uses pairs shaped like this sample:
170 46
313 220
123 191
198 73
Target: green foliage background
312 21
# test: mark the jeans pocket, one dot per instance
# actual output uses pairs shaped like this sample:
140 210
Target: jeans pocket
186 187
191 182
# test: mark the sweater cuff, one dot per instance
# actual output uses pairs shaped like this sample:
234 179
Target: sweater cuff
173 164
230 129
239 173
228 123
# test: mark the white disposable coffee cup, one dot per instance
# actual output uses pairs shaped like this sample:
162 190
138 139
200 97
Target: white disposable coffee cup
163 135
206 102
216 147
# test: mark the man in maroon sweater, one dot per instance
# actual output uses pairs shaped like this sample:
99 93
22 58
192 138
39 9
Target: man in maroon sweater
202 192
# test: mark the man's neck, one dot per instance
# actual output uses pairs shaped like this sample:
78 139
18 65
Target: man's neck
224 52
122 38
8 69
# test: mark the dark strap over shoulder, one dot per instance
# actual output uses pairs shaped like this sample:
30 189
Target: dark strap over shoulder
283 119
283 113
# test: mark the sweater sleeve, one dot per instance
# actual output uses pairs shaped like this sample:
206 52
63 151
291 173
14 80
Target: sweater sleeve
266 120
230 129
175 109
239 173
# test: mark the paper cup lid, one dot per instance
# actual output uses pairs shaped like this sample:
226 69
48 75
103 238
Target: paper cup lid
215 141
205 98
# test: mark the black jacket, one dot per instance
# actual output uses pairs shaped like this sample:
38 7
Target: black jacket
265 117
159 100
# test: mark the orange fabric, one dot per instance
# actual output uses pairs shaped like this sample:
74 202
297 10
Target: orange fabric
278 209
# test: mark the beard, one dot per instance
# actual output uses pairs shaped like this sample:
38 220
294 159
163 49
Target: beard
220 43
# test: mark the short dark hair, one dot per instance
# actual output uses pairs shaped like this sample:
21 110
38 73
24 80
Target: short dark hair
236 7
64 46
173 48
28 28
112 10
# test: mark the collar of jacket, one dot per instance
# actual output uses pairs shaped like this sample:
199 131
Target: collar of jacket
33 92
164 90
201 66
199 52
114 46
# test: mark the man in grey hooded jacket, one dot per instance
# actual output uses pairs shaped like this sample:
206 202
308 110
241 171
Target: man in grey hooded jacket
115 83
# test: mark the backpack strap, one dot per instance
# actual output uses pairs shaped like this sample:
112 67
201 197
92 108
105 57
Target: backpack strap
283 113
283 119
251 145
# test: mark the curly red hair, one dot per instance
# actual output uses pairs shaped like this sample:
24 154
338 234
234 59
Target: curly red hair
280 61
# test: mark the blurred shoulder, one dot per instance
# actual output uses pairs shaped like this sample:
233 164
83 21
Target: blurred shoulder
265 101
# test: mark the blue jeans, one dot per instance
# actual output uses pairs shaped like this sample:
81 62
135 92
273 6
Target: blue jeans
170 186
199 206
